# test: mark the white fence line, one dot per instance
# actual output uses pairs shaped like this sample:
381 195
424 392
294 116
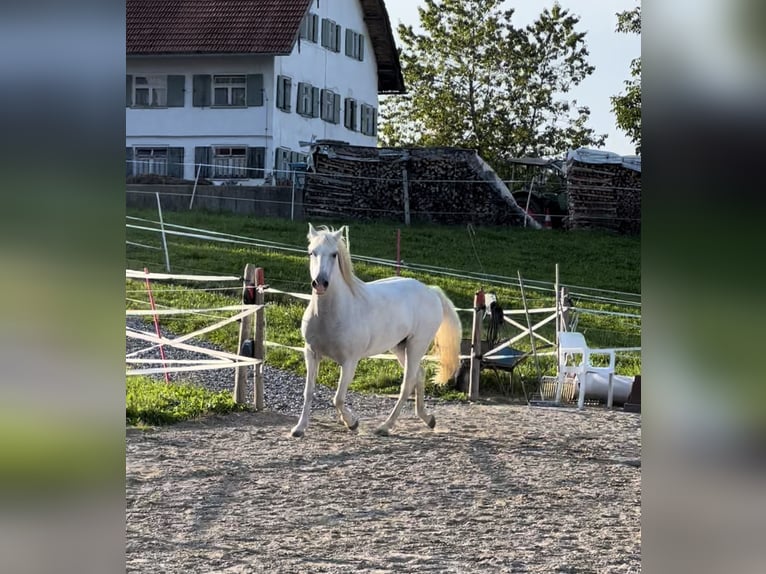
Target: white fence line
576 291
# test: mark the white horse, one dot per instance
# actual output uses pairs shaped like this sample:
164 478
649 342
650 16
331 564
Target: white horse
348 319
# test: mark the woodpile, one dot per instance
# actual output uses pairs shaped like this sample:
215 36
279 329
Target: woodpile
604 196
444 185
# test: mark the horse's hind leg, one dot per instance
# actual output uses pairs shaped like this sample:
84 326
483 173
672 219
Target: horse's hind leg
420 384
347 370
413 353
420 406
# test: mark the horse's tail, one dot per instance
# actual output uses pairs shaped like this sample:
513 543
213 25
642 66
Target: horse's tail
447 340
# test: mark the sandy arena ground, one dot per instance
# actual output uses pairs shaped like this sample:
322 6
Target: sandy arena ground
494 488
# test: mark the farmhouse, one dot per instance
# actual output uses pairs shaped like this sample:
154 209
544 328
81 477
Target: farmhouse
235 91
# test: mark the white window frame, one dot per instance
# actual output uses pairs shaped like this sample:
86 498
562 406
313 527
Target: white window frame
155 86
329 109
150 160
350 113
368 123
284 93
231 85
310 27
304 104
354 45
331 38
229 161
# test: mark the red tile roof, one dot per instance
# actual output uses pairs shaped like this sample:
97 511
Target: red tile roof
269 27
213 26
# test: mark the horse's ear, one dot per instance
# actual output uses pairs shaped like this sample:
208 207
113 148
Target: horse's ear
338 235
312 232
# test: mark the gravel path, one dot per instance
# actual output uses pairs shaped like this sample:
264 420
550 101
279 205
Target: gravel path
492 489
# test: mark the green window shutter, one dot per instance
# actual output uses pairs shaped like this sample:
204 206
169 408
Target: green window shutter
336 111
363 119
128 161
325 33
255 89
349 42
361 47
299 99
201 85
176 162
336 46
176 88
314 27
256 160
374 122
202 156
288 94
128 91
316 102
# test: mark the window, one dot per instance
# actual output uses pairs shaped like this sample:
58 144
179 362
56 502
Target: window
310 27
229 91
150 160
368 123
330 106
284 89
308 100
349 114
225 90
229 162
354 45
330 35
150 91
283 157
303 106
155 91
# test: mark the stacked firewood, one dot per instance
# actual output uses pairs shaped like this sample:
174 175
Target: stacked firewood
444 185
604 196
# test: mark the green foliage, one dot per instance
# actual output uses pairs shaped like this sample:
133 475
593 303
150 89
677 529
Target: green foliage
627 105
151 402
477 81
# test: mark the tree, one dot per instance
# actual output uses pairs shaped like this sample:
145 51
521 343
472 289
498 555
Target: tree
477 81
627 106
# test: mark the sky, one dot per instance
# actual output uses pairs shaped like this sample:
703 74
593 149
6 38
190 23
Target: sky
610 53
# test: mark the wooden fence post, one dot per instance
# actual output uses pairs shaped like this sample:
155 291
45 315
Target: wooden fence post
406 194
259 348
476 352
245 333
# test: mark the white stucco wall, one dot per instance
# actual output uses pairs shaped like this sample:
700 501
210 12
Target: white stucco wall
334 71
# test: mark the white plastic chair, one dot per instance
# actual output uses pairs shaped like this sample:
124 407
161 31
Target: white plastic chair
571 344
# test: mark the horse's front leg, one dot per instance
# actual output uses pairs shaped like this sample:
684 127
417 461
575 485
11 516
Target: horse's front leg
347 371
312 365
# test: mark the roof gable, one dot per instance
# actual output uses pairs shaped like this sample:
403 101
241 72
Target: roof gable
267 27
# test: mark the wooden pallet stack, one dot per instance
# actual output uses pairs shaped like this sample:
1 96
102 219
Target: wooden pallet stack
604 196
444 185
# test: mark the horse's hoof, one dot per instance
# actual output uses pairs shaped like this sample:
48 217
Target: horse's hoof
354 425
297 433
381 431
431 421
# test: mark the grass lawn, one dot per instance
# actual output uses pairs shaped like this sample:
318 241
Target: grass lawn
586 260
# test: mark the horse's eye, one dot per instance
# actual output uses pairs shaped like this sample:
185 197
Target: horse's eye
311 254
334 255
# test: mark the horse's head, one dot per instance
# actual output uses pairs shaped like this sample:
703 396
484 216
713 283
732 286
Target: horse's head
324 246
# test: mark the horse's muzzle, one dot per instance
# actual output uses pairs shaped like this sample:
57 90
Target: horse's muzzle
319 286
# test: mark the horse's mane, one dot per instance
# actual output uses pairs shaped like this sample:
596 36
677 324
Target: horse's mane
344 260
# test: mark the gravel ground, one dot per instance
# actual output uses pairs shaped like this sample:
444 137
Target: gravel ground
282 390
494 488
